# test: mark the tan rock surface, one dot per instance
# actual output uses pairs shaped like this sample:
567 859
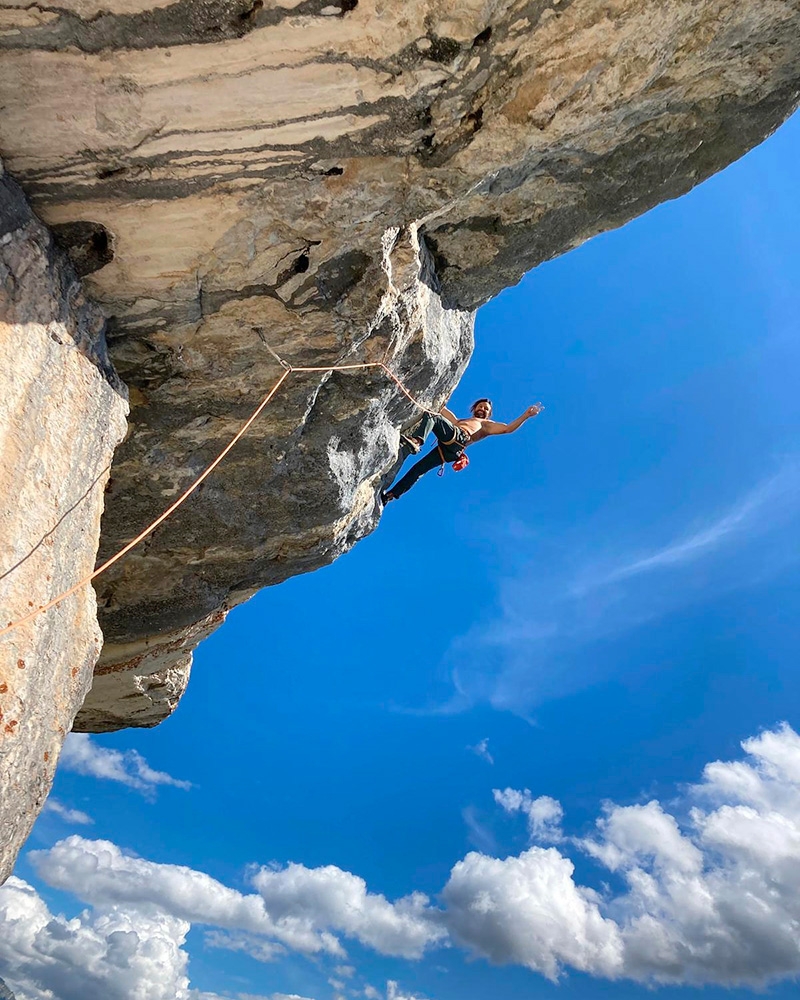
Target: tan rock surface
62 411
235 166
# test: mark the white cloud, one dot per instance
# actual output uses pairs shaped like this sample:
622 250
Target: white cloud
706 893
295 907
250 944
285 996
393 992
544 814
715 900
272 996
68 815
82 755
742 517
112 953
336 899
527 910
98 872
482 750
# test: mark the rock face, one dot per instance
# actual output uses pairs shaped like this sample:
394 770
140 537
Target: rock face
343 180
62 411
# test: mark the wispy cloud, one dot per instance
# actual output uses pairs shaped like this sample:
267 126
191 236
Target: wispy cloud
478 832
83 756
745 515
481 749
68 815
547 613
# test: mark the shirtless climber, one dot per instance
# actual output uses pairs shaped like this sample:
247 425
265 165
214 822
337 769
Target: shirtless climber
452 437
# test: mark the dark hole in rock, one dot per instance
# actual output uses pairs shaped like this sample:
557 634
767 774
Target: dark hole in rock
301 264
103 172
348 5
475 118
252 10
334 171
89 245
482 38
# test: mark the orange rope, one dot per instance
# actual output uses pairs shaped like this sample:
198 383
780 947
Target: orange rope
203 475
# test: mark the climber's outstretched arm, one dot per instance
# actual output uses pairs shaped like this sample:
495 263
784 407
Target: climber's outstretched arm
497 427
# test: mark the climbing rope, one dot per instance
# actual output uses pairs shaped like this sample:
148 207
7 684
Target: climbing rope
288 370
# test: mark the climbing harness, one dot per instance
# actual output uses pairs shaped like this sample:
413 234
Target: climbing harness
288 370
460 463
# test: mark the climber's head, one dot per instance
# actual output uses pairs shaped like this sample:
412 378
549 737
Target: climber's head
481 408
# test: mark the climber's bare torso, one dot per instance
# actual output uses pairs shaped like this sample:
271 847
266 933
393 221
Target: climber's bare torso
474 428
480 426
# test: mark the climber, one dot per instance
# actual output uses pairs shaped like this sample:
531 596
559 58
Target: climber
453 435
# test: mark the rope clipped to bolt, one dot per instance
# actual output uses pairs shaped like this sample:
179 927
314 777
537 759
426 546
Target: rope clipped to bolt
288 370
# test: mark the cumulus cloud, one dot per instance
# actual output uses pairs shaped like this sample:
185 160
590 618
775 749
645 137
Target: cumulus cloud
527 910
336 899
82 755
143 910
98 872
715 899
302 909
706 892
544 814
68 815
113 953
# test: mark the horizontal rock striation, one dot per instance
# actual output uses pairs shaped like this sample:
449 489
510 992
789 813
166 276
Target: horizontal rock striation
341 181
62 411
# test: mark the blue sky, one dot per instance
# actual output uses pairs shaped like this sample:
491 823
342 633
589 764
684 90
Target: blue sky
599 607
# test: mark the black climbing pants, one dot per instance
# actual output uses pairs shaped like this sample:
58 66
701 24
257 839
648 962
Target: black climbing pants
450 439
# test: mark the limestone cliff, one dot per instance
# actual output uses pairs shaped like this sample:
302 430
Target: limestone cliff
342 180
62 411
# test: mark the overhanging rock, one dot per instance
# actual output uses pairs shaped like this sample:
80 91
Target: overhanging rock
346 181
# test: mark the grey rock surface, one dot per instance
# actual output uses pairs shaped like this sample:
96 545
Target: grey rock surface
62 411
346 181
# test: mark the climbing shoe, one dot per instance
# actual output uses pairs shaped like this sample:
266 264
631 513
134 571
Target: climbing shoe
411 444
